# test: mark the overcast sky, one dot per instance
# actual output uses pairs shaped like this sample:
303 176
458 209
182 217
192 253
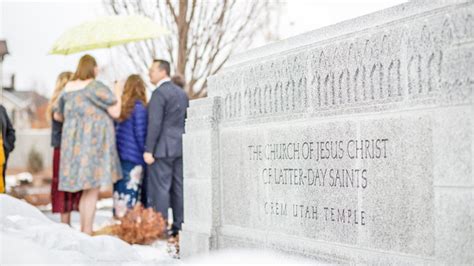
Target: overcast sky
31 27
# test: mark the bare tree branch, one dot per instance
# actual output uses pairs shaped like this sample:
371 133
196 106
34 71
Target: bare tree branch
172 10
203 34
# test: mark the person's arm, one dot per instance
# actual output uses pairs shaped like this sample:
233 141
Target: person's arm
156 111
115 110
140 125
58 109
187 107
10 134
106 99
58 117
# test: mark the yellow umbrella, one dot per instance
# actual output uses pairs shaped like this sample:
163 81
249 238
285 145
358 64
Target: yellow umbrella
106 32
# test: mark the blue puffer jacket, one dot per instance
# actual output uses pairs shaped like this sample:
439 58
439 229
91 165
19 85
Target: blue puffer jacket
131 135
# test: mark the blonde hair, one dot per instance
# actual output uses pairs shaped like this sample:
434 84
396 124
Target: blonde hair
85 68
133 91
61 81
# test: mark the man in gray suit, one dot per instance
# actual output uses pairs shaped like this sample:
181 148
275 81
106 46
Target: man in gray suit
164 145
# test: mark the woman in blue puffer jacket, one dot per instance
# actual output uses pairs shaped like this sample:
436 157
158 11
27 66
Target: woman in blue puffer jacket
130 136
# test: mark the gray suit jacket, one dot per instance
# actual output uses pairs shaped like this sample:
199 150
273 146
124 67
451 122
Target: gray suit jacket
166 115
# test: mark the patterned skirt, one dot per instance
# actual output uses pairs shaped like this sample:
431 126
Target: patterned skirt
63 202
127 189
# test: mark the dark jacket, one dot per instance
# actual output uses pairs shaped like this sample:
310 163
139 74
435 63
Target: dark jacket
56 132
130 135
8 132
166 115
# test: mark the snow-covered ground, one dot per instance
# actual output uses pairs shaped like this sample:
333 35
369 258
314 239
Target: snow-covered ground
103 215
28 236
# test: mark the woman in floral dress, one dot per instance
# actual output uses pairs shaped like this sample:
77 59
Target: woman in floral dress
89 157
62 202
130 135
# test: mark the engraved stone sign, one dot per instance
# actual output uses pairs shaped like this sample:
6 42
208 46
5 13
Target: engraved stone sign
352 143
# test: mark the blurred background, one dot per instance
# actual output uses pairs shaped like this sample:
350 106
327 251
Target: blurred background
204 34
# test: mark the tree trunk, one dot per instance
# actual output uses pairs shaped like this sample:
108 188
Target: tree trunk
183 28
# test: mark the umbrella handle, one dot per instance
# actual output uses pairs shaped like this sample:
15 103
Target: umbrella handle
114 72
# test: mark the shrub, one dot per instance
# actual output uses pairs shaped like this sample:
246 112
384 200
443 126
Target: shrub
138 226
35 161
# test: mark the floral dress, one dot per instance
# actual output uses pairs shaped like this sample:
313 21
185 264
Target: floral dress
127 189
89 156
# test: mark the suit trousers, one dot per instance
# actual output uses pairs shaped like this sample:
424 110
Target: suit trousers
164 189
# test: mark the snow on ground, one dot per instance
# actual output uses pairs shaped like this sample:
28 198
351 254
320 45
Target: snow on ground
29 236
103 216
249 257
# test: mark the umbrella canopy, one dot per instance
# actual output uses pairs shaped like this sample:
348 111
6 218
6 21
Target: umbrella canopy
106 32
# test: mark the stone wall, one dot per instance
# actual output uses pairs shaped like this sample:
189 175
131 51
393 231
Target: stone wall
351 143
